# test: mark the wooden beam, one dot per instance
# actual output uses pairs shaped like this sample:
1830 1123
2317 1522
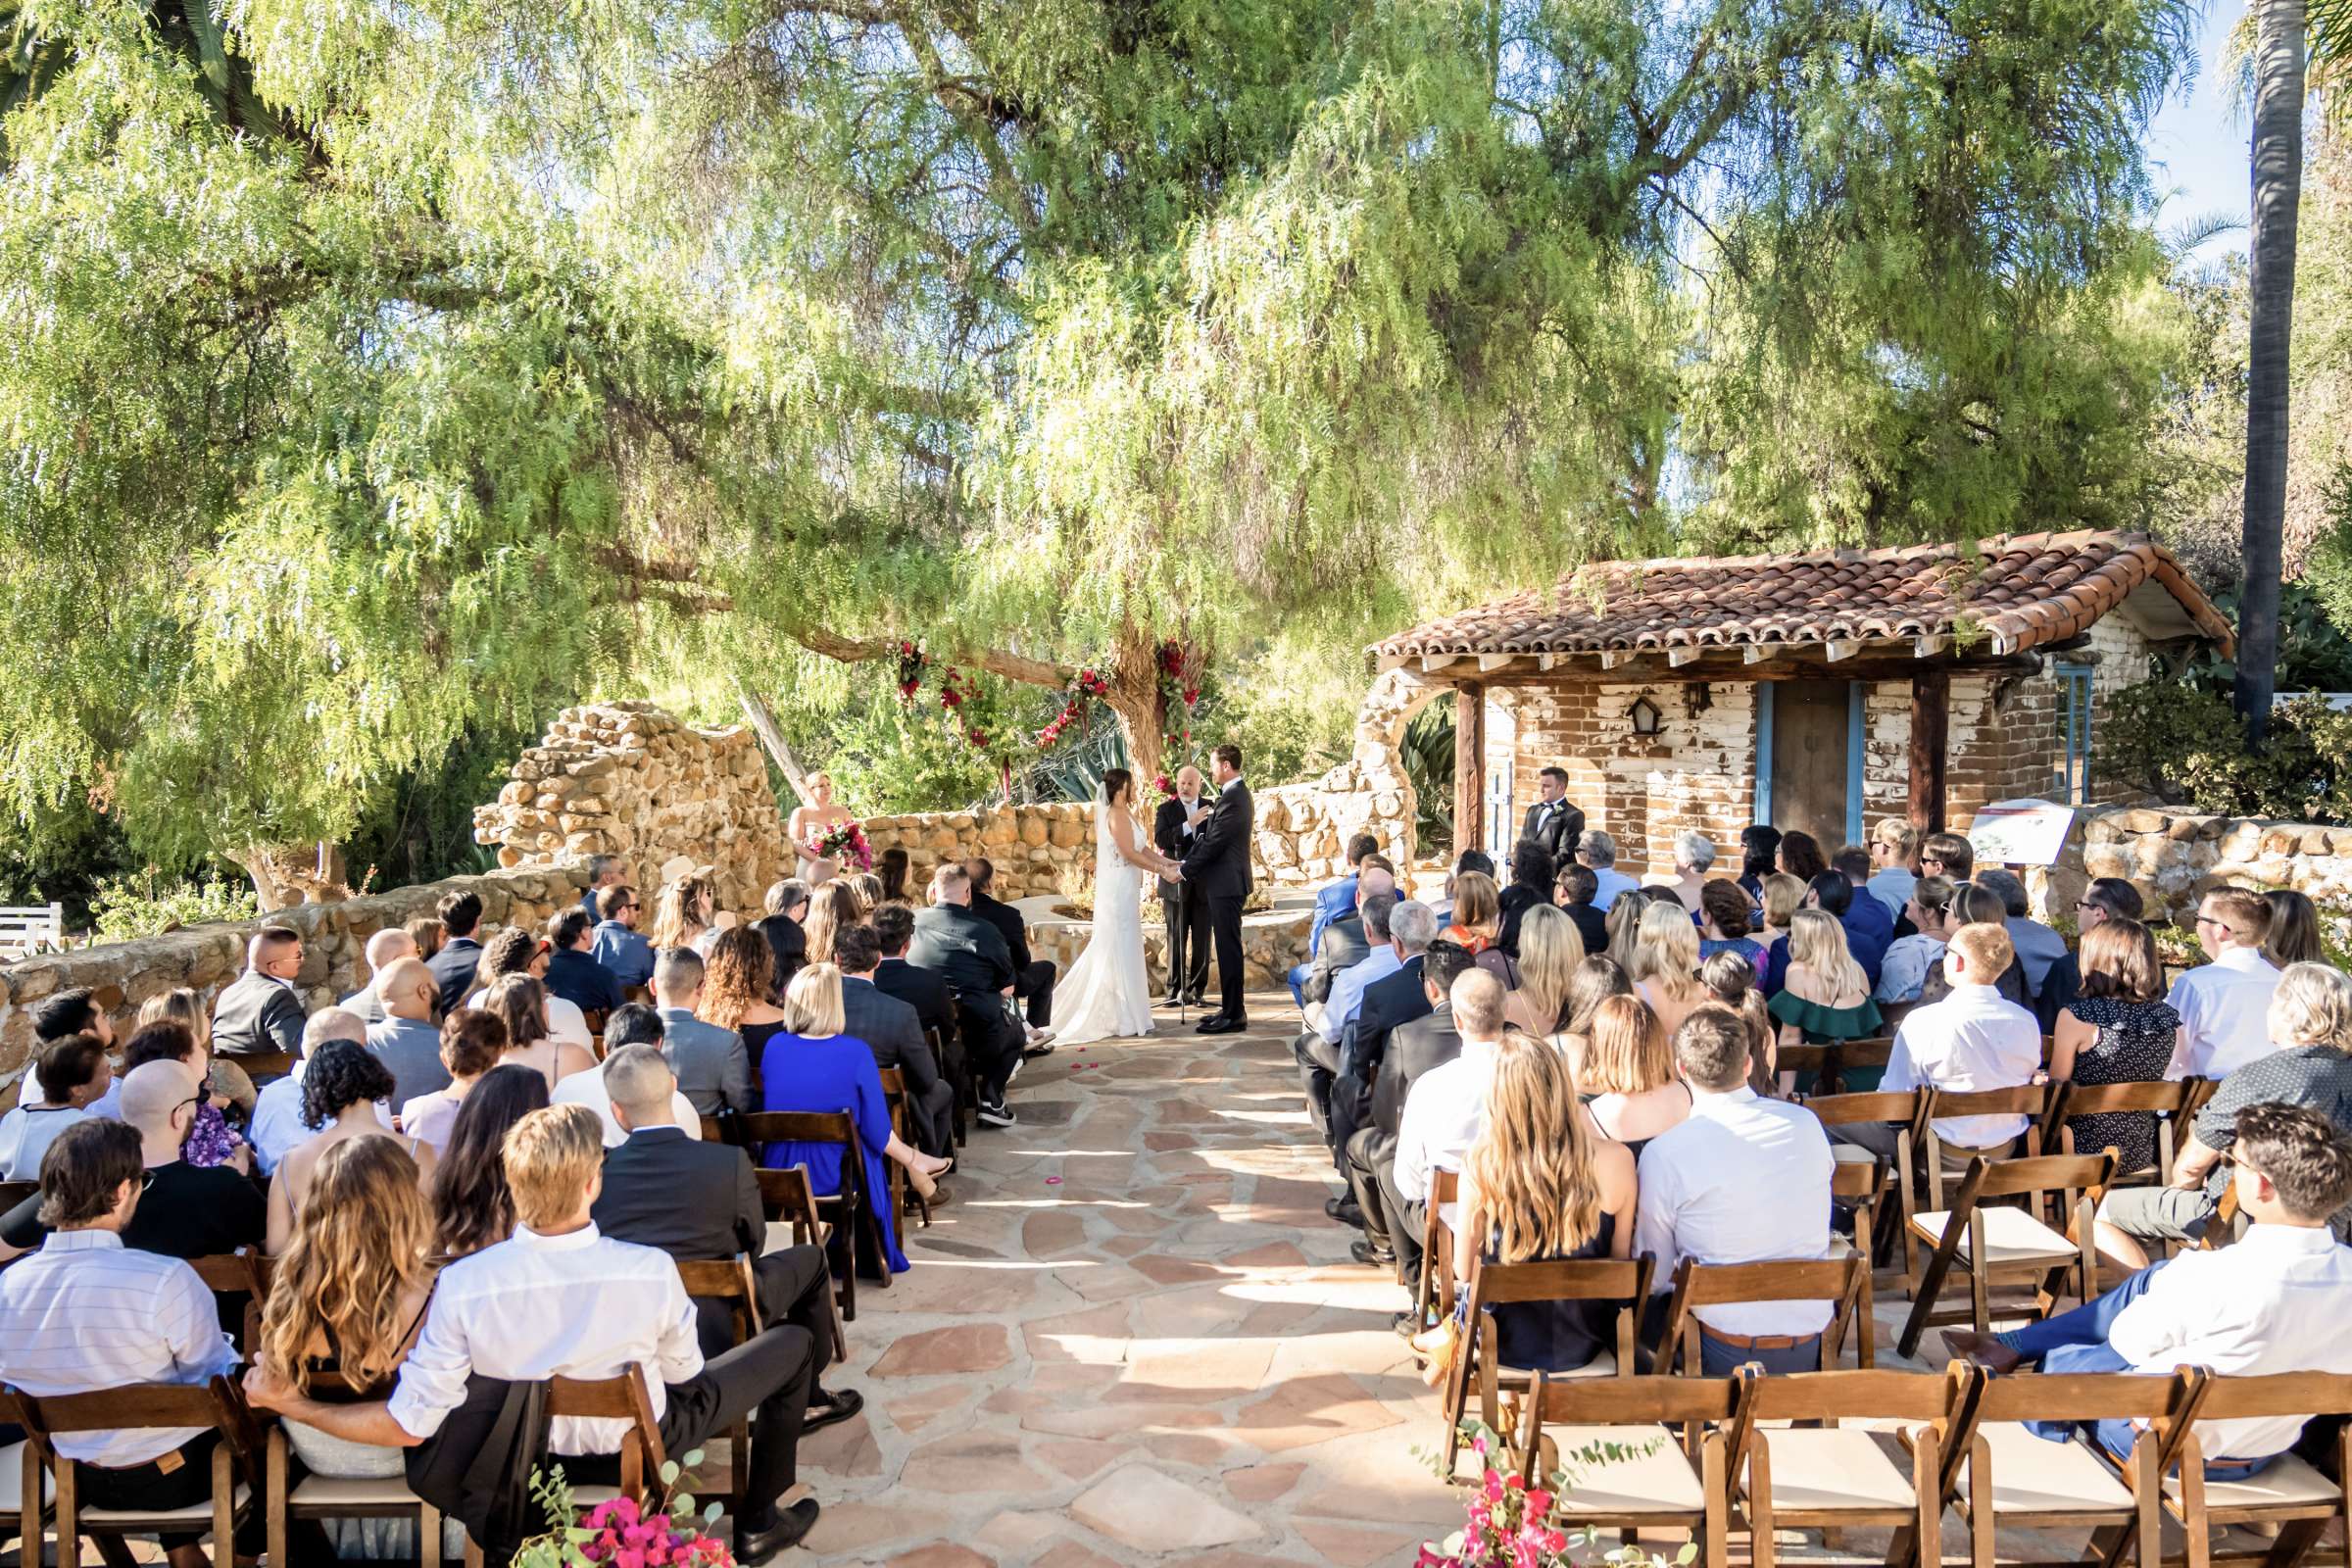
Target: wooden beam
1688 655
1758 652
1469 766
1431 663
1832 652
1929 647
1490 662
1930 714
1545 662
1612 657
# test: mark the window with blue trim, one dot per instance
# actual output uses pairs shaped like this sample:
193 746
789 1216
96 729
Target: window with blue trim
2074 733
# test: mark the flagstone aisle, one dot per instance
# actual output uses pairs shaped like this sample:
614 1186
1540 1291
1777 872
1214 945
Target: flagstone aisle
1135 1337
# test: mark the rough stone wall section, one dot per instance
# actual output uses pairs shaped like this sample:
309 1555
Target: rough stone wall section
628 779
205 958
2175 857
1035 849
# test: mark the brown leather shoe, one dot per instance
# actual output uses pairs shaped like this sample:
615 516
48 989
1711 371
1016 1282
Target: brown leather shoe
1981 1348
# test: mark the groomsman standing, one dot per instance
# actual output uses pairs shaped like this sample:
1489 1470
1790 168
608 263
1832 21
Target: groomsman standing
1552 821
1182 906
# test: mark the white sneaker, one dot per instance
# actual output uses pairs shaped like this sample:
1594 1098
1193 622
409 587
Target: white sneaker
997 1114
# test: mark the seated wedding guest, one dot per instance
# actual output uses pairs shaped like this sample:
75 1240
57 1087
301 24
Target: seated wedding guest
2310 1014
1784 896
786 906
1445 1111
685 915
384 949
573 973
810 1066
2222 1004
1894 853
1032 978
2037 946
893 1036
615 943
971 956
408 1041
714 1070
1903 975
520 1002
1597 853
1759 857
1973 1039
1802 857
1345 942
1537 1187
1596 980
832 909
1732 984
1625 926
58 1016
472 1040
88 1312
430 935
342 1089
594 1307
277 1127
2294 930
74 1075
604 872
1414 1049
1825 995
1397 1000
699 1202
1665 966
472 1206
1530 889
926 992
1549 953
635 1024
457 965
2119 1031
1626 1074
1317 1047
1573 891
516 952
2273 1303
2106 898
890 867
210 1140
1335 899
1948 855
260 1014
1467 861
1975 904
186 1008
1693 853
1699 1181
1868 927
1725 916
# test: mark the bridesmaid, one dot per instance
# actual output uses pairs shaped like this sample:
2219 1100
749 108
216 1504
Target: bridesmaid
819 815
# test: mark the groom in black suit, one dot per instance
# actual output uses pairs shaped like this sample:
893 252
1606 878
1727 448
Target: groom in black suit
1218 866
1185 907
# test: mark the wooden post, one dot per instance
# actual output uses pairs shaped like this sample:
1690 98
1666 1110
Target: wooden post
1931 711
1469 767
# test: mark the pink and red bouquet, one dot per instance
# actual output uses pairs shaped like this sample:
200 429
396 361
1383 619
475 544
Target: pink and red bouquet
842 845
1508 1528
621 1535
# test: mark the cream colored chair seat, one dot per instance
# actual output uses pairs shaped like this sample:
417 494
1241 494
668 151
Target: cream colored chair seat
353 1491
1821 1470
1851 1155
2290 1482
1654 1477
2033 1475
2011 1236
12 1479
195 1513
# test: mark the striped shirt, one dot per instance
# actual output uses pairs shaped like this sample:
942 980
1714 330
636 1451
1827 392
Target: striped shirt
86 1314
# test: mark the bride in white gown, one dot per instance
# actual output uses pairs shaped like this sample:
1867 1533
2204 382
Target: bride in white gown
1108 991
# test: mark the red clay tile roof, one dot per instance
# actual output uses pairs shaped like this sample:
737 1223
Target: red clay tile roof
2013 592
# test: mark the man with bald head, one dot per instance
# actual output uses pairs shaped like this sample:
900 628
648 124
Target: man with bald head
1182 906
384 949
260 1012
407 1041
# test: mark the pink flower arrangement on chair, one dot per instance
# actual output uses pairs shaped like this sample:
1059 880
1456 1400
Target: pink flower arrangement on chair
623 1536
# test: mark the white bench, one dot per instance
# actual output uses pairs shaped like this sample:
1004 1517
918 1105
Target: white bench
36 929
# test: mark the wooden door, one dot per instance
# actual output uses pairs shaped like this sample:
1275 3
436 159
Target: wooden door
1808 760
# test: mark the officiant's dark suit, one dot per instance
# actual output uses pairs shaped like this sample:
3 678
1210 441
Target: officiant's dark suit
1556 825
1219 863
1184 907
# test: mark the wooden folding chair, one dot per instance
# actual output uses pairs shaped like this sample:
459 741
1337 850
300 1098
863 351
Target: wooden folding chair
237 1273
23 1475
613 1398
1941 1160
1990 1243
1906 1109
1836 1279
1862 1186
1630 1471
136 1406
1831 1477
853 1227
894 1093
2160 1100
2289 1492
2000 1474
1848 1058
13 1193
786 1198
729 1280
1594 1279
321 1498
964 1091
1434 1287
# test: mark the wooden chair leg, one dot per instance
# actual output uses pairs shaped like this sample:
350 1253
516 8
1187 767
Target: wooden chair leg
1762 1551
1922 1303
428 1536
1980 1534
2296 1537
2194 1528
1715 1549
275 1499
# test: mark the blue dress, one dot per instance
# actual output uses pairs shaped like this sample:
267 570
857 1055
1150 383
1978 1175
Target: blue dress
833 1074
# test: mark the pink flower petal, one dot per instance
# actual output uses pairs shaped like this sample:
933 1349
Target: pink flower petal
1053 1181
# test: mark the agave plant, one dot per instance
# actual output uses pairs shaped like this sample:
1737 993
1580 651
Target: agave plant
1428 755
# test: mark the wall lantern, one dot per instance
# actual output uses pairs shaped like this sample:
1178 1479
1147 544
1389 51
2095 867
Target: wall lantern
1645 717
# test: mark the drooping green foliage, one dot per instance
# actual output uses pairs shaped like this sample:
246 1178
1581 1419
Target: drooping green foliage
533 350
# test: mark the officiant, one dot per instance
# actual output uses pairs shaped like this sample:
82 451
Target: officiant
1182 905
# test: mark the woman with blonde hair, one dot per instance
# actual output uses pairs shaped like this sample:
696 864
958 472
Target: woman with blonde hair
1478 925
819 815
868 888
1624 923
1783 894
1665 966
1827 994
832 909
519 1001
1550 954
1628 1076
684 915
1596 980
1538 1185
231 1086
810 1066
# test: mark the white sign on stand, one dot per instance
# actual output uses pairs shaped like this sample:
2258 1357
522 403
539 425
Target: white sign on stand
2020 832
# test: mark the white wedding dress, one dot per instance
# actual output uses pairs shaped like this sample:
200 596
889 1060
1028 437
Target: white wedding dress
1108 991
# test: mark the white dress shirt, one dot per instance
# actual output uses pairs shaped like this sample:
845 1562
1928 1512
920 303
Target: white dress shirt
2225 1009
533 1306
1973 1039
86 1314
2276 1301
1612 882
26 1134
1443 1114
1347 998
588 1089
1741 1180
276 1125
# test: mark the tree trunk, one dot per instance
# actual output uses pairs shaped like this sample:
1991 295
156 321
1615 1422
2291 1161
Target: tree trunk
2277 191
762 720
284 875
1131 692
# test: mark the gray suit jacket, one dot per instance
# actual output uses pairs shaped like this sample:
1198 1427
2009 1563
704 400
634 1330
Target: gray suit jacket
714 1069
891 1030
1343 945
411 1049
1414 1049
256 1015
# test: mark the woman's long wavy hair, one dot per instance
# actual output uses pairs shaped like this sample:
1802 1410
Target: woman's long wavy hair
1624 925
472 1206
1818 942
741 974
1666 951
683 913
520 1002
1531 1167
832 909
359 1247
1550 952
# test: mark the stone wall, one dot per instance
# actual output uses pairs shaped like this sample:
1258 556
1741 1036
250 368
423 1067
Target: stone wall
207 958
2175 857
628 779
1035 849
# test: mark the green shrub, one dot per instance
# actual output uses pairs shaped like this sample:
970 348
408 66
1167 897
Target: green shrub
127 908
2185 744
